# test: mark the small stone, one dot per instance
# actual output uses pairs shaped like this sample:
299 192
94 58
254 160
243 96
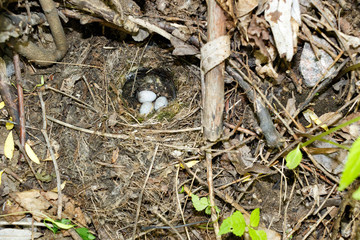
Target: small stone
311 68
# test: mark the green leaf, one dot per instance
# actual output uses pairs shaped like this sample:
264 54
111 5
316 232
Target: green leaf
199 204
54 228
85 234
208 210
352 166
255 218
64 224
257 234
356 194
235 224
293 158
217 210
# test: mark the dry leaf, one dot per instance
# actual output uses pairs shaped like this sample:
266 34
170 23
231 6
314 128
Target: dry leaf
9 146
189 164
2 105
1 172
56 155
31 154
310 116
115 155
33 201
279 16
62 186
243 7
9 125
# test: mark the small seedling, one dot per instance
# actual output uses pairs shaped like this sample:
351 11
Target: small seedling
66 224
203 203
237 225
352 166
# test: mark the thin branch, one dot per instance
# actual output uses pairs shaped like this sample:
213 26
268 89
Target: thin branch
142 192
53 158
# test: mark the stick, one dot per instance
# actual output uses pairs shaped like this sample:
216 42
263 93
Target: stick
53 158
142 192
20 93
213 91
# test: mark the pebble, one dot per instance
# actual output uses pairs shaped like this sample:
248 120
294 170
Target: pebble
160 103
313 69
146 96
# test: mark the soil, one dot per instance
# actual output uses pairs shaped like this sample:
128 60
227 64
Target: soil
106 175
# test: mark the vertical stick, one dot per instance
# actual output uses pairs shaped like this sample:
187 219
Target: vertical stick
209 176
20 93
214 80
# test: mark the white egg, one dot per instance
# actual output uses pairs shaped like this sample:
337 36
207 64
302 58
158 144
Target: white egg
146 96
146 108
160 103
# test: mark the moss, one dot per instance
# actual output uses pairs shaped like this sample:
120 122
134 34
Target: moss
169 112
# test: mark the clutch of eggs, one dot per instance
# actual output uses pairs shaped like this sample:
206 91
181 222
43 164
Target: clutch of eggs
147 97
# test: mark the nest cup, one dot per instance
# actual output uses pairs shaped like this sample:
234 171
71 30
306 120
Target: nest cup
159 81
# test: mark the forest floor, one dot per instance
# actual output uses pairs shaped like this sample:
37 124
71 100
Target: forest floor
122 169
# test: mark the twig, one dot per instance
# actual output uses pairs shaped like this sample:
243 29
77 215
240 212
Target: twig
209 177
142 192
53 158
178 201
286 209
20 93
65 63
326 198
154 210
218 193
72 97
313 227
88 86
173 130
271 134
240 129
110 135
151 27
20 223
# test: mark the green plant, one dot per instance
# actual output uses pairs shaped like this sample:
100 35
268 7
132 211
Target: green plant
351 169
352 166
66 224
236 224
203 203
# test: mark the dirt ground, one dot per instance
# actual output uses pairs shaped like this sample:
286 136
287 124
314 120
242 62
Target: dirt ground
119 165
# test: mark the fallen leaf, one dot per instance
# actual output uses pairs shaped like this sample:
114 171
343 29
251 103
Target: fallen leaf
189 164
31 154
9 146
33 201
310 116
278 15
243 7
2 105
9 125
1 172
62 186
